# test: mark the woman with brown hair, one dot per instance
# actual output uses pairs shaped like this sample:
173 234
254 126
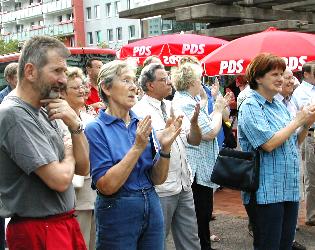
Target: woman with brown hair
265 124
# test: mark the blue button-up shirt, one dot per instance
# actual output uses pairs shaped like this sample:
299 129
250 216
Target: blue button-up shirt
201 158
220 135
110 140
5 92
258 121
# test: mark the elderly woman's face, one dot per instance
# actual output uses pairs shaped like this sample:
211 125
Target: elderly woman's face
196 85
75 93
271 82
123 91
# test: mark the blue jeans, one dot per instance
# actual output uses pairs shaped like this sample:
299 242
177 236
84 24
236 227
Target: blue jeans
130 220
273 224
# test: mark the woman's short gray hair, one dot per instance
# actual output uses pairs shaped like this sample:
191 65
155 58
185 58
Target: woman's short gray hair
74 72
185 75
148 74
107 74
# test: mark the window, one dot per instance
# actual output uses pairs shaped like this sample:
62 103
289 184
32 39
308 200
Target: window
110 35
107 9
19 28
69 17
117 7
98 35
132 31
88 13
59 18
18 6
167 25
90 37
97 10
119 33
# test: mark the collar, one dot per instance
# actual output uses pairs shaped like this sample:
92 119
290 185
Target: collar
109 119
93 88
185 92
260 99
307 85
279 97
154 102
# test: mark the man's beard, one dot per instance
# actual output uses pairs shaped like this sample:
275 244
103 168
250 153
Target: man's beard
49 91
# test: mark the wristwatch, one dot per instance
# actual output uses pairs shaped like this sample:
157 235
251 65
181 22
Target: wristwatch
78 130
165 155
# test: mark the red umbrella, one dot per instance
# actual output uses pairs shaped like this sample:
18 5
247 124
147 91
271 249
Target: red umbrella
296 48
170 47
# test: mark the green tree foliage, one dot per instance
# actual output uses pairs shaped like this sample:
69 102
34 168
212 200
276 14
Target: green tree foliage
102 45
9 47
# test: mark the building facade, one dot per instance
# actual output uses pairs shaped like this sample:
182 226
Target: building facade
22 19
103 25
159 24
229 19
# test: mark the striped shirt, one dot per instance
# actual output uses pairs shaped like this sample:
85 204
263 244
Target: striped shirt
201 158
258 121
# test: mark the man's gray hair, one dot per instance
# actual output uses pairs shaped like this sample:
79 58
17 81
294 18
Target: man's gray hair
10 70
148 74
35 51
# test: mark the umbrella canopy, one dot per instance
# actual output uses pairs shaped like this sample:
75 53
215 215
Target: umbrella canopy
296 48
170 47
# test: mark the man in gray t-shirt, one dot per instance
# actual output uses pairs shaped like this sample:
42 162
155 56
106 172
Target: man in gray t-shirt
36 163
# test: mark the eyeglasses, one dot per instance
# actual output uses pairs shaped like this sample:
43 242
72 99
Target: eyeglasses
164 79
77 88
128 82
288 78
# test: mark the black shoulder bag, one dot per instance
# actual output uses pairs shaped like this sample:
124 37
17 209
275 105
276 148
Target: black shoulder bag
237 169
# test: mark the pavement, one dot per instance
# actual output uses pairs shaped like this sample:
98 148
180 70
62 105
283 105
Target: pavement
231 224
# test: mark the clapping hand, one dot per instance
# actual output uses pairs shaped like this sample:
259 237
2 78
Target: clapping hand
229 97
306 115
215 88
168 135
194 118
144 129
220 104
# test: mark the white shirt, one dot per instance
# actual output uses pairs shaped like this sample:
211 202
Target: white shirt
290 103
242 96
179 174
304 95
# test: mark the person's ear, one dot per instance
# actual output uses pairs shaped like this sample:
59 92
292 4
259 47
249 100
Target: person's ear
30 72
150 86
106 89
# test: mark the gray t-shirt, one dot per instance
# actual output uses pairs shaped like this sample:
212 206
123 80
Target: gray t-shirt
29 140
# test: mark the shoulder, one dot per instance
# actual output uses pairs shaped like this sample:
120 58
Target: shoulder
11 109
182 99
93 126
140 106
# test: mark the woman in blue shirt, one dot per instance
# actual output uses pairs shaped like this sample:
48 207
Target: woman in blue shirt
266 124
126 161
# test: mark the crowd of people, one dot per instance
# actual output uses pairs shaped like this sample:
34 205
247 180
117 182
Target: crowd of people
112 160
